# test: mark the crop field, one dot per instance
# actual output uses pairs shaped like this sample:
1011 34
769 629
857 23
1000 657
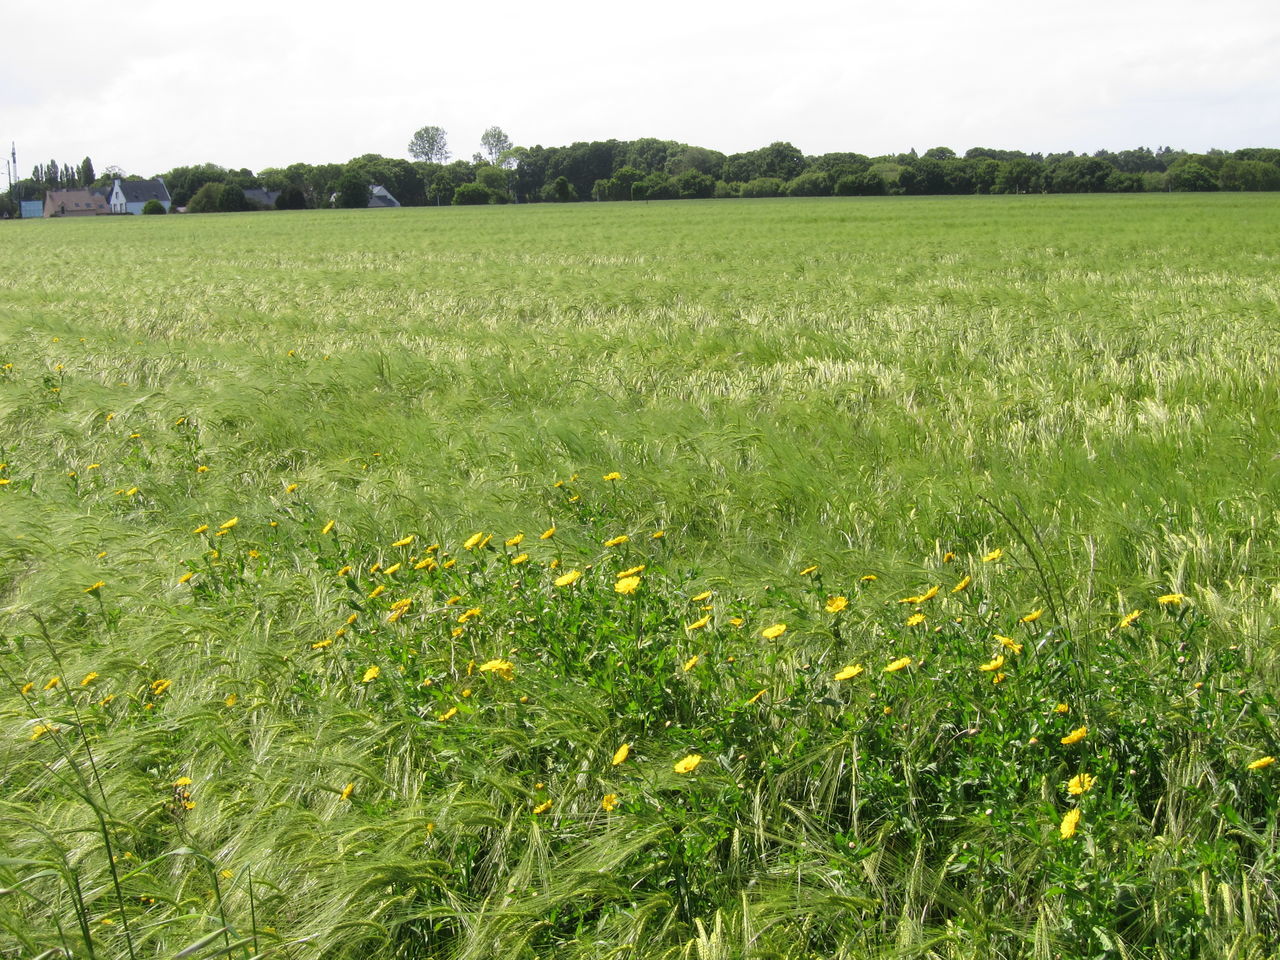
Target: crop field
749 579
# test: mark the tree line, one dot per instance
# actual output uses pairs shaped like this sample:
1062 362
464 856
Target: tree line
653 169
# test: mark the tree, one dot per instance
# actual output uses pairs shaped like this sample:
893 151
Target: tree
430 144
495 143
291 198
353 190
86 172
441 190
152 207
471 194
495 180
232 199
206 198
563 190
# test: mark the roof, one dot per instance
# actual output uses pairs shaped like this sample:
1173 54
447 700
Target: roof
75 200
140 191
266 198
379 196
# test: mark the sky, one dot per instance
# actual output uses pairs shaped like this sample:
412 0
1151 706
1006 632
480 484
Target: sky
148 85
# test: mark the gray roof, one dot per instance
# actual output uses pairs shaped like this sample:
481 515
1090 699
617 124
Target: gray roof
380 196
140 191
265 197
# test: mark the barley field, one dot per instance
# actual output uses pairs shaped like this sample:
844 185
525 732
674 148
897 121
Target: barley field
789 579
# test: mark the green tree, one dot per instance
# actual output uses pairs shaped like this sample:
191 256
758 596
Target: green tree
86 172
495 143
471 194
231 199
430 144
563 190
206 198
441 190
291 198
152 207
353 190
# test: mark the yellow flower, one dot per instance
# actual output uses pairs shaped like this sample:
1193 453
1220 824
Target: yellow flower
698 624
93 466
995 664
321 644
609 802
691 663
964 582
503 668
849 672
736 621
621 754
40 729
291 488
631 571
915 620
344 571
627 585
755 697
948 557
405 541
1075 736
1033 616
836 604
451 712
542 808
1061 708
993 556
688 764
202 469
160 686
657 535
28 687
183 782
231 699
346 791
229 524
998 677
1129 619
808 570
377 591
927 595
1261 763
1009 643
1171 599
704 595
473 541
1069 824
516 540
612 476
95 587
548 533
868 578
617 541
773 632
53 682
370 675
328 527
450 563
523 558
898 665
1080 783
569 578
391 569
186 577
89 678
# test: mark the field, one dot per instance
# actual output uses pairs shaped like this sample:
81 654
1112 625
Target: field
745 579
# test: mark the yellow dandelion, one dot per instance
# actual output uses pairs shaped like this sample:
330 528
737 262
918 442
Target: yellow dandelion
609 802
948 557
736 621
688 764
53 682
691 663
391 569
1081 783
1261 763
89 677
473 541
515 541
921 598
321 644
868 578
1033 616
627 585
502 668
1129 619
28 687
542 808
1061 708
898 664
40 729
1075 736
523 558
95 587
183 782
567 579
371 674
773 632
998 677
1171 599
1069 824
231 700
754 698
964 582
1009 643
186 577
849 672
657 535
808 570
548 533
995 664
631 571
377 591
699 623
621 754
346 791
227 525
915 620
617 541
160 686
291 488
836 604
327 528
344 571
405 541
448 714
612 476
994 555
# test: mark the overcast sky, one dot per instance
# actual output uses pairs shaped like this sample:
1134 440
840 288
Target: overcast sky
150 85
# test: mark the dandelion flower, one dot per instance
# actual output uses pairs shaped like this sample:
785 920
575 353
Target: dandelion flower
328 528
346 791
229 523
516 561
1129 619
849 672
808 570
95 587
754 698
548 533
53 682
994 555
1075 736
995 664
1069 824
1061 708
836 604
915 620
1081 783
617 541
627 585
691 663
405 541
688 764
202 469
1033 616
1261 763
773 632
1009 643
291 488
927 595
964 582
948 557
698 624
160 686
868 578
448 714
898 664
1171 599
657 535
377 591
621 754
371 674
231 699
502 668
631 571
567 579
612 476
321 644
473 541
89 678
542 808
186 577
609 802
40 729
28 687
515 541
391 569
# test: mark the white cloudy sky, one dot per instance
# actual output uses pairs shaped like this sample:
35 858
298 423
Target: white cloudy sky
149 85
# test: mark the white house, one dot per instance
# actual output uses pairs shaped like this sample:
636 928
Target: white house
130 196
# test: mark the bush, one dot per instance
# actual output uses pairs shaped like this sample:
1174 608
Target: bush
353 191
865 184
472 194
232 199
153 207
725 191
206 199
810 185
692 185
291 198
762 187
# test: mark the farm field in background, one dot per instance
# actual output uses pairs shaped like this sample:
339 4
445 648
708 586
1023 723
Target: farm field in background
770 579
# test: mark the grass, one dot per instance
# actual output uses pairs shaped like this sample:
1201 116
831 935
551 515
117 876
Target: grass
887 392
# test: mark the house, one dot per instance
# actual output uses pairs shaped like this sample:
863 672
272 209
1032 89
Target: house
379 196
263 198
130 196
31 209
74 203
